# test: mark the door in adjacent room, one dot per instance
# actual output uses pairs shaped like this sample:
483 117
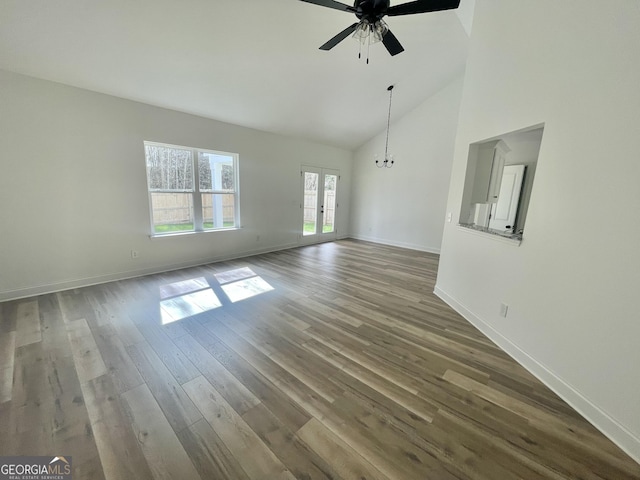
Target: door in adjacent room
504 211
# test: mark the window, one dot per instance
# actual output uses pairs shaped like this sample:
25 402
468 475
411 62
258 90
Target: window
191 190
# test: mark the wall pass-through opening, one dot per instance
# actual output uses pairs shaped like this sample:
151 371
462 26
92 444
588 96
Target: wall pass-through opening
499 182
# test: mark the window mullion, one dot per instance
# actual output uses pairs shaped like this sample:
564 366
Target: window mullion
198 221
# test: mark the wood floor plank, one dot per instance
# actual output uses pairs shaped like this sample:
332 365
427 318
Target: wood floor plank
119 364
176 362
7 356
87 357
118 446
285 408
296 455
74 305
508 453
174 402
28 324
117 314
285 352
303 401
209 454
27 421
596 445
231 389
240 439
165 454
9 315
387 448
417 406
70 425
345 461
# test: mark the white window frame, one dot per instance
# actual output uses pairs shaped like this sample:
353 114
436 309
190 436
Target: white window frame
198 220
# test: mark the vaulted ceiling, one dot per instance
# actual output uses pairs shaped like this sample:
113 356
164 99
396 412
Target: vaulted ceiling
253 63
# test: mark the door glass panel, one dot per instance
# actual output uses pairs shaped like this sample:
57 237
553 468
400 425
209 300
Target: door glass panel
328 223
310 203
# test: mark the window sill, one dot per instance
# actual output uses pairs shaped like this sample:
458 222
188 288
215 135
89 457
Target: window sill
183 234
509 238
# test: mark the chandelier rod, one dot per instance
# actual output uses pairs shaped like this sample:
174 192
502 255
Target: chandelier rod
386 146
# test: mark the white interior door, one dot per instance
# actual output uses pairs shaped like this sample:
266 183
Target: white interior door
319 204
505 210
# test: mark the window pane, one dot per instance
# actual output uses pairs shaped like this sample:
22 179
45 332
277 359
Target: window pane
172 212
169 168
218 210
328 224
215 172
310 203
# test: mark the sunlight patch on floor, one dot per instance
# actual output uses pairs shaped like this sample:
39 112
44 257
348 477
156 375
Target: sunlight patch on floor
184 299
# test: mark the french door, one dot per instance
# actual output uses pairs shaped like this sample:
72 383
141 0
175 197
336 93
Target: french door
319 204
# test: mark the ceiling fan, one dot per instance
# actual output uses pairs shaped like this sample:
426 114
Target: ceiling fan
371 27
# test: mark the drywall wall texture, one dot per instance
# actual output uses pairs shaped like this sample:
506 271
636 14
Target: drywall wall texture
571 286
405 205
73 194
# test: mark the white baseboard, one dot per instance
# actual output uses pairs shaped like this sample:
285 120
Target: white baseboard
609 426
111 277
383 241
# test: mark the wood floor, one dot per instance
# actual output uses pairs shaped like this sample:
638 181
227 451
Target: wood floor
342 365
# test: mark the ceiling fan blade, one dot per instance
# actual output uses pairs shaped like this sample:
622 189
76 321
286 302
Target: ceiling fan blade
331 4
392 44
339 37
422 6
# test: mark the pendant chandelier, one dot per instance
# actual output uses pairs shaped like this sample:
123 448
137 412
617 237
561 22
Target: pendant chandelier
388 158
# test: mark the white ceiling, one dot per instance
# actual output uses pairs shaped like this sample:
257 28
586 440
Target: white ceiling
254 63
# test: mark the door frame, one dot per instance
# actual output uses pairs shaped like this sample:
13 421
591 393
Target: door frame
319 236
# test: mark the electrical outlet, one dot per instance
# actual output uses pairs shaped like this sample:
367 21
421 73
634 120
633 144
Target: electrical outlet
504 308
449 216
135 254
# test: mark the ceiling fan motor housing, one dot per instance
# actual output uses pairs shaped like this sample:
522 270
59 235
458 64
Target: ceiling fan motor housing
371 10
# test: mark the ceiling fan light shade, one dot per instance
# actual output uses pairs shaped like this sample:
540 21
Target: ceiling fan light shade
362 31
372 33
380 30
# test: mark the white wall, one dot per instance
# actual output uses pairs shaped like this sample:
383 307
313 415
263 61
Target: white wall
73 200
572 285
465 14
405 205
